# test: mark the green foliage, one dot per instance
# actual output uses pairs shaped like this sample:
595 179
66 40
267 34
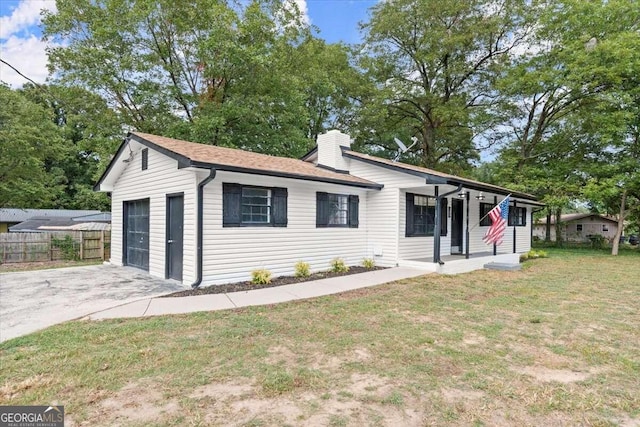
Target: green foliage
433 65
597 241
261 277
338 266
70 248
29 143
302 269
368 263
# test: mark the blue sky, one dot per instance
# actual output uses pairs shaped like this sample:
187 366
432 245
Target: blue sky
20 44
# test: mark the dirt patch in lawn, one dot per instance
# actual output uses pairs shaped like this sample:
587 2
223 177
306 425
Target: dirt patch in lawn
276 281
138 402
543 374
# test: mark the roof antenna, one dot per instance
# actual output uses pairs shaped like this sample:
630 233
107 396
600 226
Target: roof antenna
403 148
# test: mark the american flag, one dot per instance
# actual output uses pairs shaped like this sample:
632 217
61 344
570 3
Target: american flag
499 216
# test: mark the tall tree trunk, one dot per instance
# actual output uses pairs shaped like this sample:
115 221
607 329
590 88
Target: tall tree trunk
558 227
547 231
616 240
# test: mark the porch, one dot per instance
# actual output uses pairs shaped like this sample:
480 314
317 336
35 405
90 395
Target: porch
455 264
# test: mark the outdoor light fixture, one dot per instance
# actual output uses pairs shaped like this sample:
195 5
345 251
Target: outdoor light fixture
461 194
480 196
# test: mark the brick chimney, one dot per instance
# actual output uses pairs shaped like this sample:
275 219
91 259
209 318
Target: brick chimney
329 151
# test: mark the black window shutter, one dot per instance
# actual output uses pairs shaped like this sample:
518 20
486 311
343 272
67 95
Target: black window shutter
231 205
279 207
409 215
443 216
354 202
524 216
322 209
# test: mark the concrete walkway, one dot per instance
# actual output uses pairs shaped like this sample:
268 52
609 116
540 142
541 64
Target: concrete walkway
316 288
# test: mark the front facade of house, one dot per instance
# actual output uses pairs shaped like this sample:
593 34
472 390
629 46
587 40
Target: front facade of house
210 215
578 227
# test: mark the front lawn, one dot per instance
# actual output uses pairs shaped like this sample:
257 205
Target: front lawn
557 343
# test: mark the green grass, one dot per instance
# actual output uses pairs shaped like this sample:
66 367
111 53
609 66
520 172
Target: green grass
556 343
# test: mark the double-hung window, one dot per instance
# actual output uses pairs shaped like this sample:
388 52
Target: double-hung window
256 205
252 206
337 210
421 215
517 216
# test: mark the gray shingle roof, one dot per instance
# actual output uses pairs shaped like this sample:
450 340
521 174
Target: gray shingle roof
20 215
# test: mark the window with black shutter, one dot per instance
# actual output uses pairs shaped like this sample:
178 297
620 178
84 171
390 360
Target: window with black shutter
337 210
246 206
421 215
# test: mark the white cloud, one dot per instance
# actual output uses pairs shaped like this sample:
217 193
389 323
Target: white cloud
27 55
26 15
19 44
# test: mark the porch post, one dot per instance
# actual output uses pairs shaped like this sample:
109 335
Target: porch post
495 247
514 228
466 244
436 231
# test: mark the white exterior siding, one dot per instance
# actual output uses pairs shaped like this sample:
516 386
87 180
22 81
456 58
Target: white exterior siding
419 247
476 245
231 253
162 177
385 210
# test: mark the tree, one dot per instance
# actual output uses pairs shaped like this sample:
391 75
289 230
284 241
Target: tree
29 143
435 64
90 133
211 71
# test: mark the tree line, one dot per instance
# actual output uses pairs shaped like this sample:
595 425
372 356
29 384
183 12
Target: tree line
540 96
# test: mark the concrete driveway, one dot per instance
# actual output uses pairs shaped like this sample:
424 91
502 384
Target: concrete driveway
33 300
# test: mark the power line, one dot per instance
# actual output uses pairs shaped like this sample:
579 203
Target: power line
19 73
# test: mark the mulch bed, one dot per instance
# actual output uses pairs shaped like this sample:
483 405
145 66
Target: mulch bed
276 281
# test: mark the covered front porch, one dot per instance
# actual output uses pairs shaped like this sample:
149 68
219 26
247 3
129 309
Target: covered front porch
455 264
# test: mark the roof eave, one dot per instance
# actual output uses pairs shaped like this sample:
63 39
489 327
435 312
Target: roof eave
435 179
238 169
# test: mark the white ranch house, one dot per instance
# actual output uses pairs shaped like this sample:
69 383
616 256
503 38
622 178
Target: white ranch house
207 215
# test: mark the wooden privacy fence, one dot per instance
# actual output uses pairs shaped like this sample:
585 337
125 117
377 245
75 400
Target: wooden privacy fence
55 246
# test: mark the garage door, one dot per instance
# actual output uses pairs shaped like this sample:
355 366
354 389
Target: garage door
136 234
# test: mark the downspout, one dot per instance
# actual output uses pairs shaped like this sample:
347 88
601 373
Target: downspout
436 232
200 222
532 224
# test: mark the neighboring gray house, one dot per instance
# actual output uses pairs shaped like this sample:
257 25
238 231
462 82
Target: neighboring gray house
577 227
208 215
13 216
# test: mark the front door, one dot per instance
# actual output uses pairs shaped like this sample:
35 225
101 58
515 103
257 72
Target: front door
456 226
175 226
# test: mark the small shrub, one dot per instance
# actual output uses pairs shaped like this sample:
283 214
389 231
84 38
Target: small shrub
303 269
338 266
68 247
532 254
368 263
261 277
524 257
